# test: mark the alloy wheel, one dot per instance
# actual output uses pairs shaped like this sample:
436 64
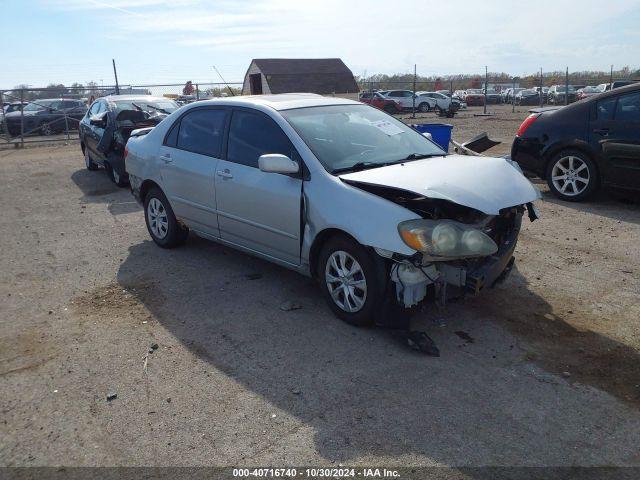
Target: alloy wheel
158 220
45 129
346 281
570 176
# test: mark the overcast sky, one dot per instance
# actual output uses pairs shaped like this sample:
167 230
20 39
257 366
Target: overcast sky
155 41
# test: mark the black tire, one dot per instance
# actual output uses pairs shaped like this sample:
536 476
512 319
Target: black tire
46 129
176 234
390 109
424 107
88 161
580 158
120 180
374 275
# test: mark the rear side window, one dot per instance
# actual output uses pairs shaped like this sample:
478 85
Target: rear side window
201 131
254 134
172 137
605 108
628 109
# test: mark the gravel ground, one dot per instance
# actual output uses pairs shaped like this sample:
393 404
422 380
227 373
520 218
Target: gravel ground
543 370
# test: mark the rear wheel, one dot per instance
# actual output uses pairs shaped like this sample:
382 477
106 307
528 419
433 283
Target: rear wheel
161 221
46 129
424 107
390 109
572 175
350 280
119 180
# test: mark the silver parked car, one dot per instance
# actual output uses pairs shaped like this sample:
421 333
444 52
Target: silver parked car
334 189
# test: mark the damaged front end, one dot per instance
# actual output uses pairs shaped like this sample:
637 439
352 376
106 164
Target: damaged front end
459 250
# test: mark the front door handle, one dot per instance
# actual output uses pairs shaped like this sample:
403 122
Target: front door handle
602 131
224 173
166 158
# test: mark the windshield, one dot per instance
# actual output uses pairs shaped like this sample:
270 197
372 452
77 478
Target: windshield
41 105
357 136
147 105
562 88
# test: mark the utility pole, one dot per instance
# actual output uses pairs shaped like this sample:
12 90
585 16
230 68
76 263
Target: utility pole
414 90
225 82
541 98
115 74
566 87
611 79
486 80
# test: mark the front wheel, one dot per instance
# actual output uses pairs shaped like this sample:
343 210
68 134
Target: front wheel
161 221
350 280
424 107
572 175
88 161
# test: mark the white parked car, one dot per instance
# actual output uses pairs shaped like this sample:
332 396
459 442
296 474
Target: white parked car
406 99
442 101
334 189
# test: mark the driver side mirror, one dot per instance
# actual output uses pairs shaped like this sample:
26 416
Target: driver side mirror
277 163
98 121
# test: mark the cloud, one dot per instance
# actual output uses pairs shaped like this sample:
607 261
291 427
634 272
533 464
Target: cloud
379 36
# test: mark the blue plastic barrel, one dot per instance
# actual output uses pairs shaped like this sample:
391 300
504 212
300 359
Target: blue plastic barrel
440 133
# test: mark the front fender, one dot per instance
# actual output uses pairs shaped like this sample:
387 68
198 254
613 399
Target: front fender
371 220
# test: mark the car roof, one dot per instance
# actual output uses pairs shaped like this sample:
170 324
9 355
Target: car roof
282 101
53 100
617 91
115 98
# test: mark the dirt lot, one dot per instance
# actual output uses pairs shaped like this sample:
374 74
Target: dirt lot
543 370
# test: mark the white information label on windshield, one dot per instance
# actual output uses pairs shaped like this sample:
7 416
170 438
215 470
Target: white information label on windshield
387 127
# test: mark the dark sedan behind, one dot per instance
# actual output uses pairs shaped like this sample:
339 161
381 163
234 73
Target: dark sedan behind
578 148
46 116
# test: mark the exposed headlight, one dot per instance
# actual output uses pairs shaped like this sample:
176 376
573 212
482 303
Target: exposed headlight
446 238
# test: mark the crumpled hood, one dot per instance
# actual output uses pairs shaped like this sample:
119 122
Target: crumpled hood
487 184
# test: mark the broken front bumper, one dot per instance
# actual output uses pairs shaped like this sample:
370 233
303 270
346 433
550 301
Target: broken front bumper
485 272
458 277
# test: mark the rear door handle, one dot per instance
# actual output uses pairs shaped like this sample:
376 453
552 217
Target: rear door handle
224 173
602 131
166 158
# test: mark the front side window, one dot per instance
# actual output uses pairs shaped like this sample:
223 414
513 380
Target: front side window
252 134
357 136
605 108
38 105
201 131
628 109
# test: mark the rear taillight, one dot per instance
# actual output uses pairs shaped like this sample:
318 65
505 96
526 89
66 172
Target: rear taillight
527 123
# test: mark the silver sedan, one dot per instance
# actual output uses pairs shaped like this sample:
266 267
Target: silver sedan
334 189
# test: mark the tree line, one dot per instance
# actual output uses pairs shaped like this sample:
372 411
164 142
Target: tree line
463 81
